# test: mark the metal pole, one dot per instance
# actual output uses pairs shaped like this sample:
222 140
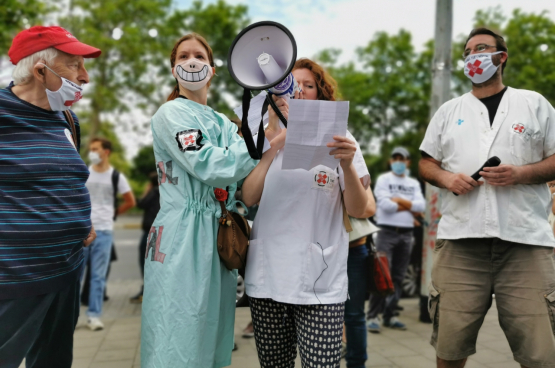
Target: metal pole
441 88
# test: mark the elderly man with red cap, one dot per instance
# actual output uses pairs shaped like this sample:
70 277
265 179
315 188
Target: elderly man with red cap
44 204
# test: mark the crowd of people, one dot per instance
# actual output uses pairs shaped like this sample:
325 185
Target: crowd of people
306 267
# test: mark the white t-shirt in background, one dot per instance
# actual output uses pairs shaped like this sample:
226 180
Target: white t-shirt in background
392 186
102 197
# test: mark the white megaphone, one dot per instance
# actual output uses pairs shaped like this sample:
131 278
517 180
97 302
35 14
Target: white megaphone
261 58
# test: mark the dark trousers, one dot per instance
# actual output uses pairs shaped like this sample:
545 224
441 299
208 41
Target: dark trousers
355 322
40 329
398 248
142 252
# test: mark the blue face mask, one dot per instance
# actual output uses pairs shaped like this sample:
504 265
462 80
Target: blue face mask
398 167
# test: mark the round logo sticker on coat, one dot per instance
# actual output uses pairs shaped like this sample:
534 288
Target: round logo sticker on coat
518 128
69 137
324 179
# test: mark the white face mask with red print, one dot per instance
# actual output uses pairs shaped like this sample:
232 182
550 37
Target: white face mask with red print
479 68
192 74
68 94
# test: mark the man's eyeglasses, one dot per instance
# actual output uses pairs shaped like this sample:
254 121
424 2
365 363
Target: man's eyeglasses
481 47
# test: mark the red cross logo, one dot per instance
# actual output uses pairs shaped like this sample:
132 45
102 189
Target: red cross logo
189 140
78 96
518 128
474 68
322 179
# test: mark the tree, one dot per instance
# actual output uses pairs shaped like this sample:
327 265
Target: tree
143 164
132 36
387 92
16 15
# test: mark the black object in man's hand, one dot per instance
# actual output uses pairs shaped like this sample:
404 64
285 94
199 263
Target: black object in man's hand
491 162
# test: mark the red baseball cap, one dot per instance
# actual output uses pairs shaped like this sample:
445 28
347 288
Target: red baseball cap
39 38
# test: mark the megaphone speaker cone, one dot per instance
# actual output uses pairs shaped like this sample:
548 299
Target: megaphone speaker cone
262 55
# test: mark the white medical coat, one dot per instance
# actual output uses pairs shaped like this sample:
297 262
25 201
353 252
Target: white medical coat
299 247
522 133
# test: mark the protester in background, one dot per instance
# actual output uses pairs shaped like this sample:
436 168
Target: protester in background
150 204
189 296
103 190
44 206
297 260
355 321
493 236
398 197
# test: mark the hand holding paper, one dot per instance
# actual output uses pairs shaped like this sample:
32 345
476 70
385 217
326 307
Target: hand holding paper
312 125
344 150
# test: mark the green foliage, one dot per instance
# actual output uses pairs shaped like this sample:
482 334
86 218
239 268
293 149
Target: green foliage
529 66
143 164
388 92
16 15
121 78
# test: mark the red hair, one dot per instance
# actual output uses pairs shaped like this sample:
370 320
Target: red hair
190 36
325 84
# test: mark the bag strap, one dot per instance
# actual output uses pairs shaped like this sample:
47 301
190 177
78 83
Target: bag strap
71 122
115 182
346 220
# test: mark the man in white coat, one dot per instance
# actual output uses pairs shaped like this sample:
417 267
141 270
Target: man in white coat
493 237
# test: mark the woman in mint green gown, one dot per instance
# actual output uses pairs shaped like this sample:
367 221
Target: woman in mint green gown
189 297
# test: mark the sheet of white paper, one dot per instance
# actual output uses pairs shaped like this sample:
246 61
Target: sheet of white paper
254 112
311 126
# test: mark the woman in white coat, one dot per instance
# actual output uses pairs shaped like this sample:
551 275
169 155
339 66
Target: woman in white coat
296 273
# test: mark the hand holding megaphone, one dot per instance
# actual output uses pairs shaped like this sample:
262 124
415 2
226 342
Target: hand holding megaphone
261 58
282 103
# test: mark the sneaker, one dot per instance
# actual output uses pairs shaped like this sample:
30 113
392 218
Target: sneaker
248 332
95 324
394 323
373 325
137 299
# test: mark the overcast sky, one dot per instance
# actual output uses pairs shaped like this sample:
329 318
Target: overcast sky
347 24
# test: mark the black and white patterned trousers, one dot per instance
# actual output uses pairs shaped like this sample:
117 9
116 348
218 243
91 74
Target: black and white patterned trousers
280 327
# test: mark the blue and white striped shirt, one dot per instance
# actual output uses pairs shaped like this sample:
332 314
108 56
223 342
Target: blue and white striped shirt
45 207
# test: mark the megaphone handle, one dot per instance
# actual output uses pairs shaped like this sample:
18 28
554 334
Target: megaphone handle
255 151
276 110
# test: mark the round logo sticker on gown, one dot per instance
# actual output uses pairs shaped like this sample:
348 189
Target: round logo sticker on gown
69 137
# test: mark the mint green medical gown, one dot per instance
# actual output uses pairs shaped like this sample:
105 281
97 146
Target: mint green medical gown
188 308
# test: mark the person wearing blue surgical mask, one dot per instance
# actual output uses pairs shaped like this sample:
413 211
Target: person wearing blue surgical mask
399 200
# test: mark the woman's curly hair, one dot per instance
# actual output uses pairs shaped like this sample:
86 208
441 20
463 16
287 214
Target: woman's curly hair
326 85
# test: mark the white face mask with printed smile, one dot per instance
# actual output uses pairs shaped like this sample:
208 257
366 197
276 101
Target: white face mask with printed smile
192 74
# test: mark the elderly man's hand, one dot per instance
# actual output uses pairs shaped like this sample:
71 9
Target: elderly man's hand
90 238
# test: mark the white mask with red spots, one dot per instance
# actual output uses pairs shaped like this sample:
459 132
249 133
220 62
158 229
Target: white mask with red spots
68 94
192 74
479 68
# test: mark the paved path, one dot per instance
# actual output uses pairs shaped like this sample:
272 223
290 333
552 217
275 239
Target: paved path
118 344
